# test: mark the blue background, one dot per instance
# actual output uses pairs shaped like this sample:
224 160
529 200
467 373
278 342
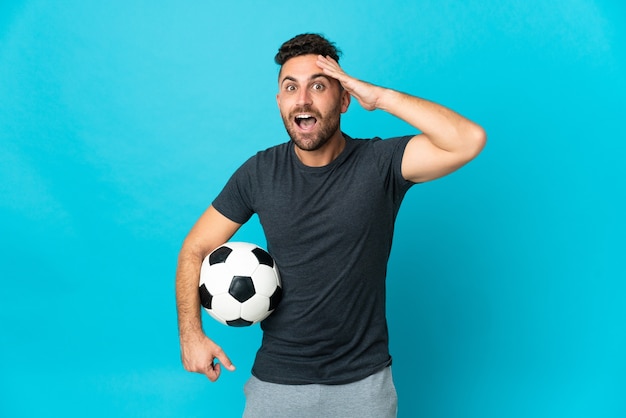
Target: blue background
120 121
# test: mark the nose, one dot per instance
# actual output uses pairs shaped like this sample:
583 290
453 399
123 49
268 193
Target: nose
304 97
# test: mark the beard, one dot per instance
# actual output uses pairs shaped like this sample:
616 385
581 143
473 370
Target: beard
326 126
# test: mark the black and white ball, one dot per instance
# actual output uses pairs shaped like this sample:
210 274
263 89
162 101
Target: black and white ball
239 284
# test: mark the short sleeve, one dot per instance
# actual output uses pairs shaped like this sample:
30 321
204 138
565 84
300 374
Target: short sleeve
389 154
235 201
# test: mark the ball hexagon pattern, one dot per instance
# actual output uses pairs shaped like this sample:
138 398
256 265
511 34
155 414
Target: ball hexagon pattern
239 284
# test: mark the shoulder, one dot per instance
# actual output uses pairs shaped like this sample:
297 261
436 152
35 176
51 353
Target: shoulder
380 142
381 147
386 155
271 154
276 149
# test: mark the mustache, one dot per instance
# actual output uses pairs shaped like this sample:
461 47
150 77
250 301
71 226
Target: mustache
305 109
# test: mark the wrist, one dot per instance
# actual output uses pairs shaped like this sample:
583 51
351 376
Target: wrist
386 98
190 331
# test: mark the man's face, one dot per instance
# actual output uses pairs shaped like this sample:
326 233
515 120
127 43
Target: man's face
310 102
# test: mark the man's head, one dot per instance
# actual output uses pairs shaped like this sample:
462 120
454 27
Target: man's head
310 101
305 44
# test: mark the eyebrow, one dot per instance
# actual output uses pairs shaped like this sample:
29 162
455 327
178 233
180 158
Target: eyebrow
313 77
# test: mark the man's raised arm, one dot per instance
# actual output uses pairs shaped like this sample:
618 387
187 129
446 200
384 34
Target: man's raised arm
447 142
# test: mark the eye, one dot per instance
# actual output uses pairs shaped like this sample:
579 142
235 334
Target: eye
290 87
318 87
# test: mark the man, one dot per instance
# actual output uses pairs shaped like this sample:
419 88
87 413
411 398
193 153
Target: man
327 204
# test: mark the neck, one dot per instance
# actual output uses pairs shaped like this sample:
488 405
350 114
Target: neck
325 155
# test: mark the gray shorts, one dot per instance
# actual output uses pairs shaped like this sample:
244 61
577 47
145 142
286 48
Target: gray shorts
375 397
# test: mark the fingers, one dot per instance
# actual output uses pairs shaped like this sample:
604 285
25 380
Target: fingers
326 61
200 356
213 372
330 67
214 369
367 94
224 360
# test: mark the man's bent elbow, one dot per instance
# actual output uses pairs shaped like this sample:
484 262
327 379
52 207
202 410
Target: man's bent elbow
476 139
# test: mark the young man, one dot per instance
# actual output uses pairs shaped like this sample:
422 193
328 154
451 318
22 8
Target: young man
327 204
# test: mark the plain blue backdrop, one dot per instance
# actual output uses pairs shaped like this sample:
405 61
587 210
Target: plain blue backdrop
121 120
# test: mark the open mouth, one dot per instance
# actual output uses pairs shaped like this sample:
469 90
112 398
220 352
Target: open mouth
305 121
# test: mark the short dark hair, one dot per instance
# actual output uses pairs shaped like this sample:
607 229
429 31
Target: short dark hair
304 44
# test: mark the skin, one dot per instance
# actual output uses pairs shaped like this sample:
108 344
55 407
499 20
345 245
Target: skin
317 86
305 90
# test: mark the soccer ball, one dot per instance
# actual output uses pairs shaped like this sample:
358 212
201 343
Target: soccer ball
239 284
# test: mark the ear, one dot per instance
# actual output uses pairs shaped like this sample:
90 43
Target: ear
345 100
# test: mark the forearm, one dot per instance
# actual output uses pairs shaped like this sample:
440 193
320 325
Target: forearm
187 295
443 127
210 231
198 352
